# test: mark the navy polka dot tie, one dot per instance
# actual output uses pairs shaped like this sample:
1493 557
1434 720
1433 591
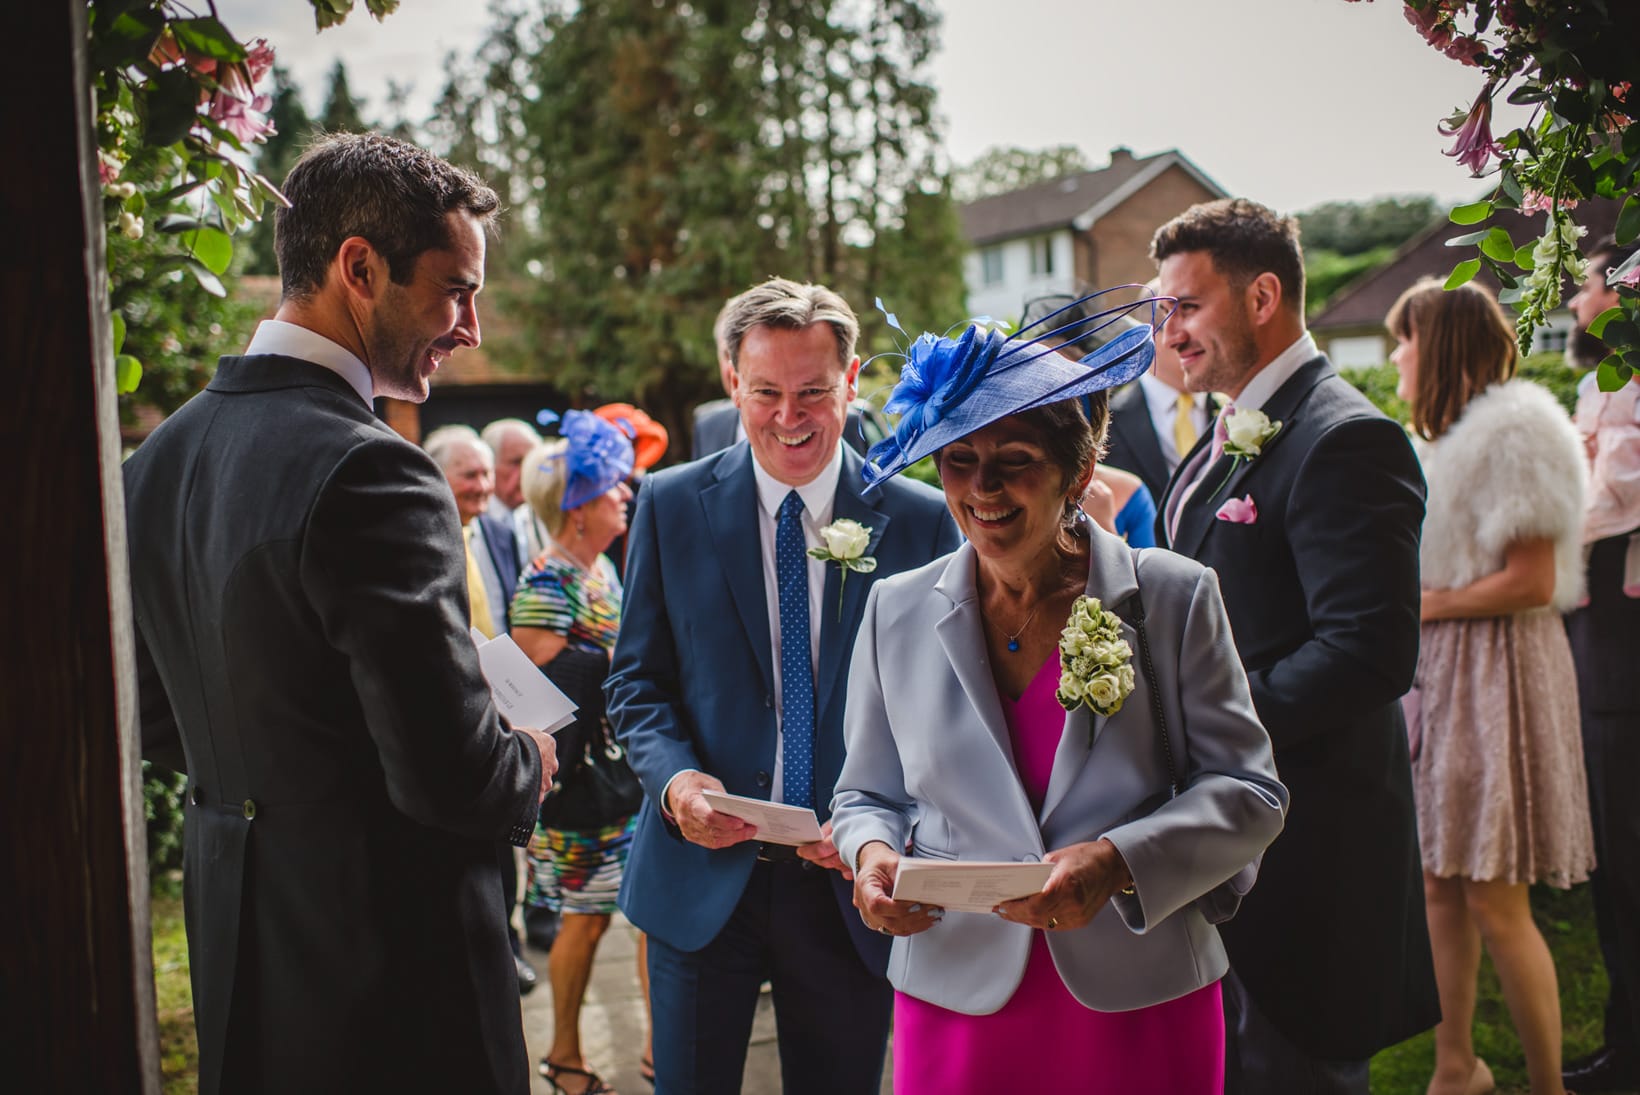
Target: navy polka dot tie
791 569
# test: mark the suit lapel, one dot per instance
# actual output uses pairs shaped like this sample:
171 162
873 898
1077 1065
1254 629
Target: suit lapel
730 505
836 628
1224 478
961 634
1111 578
1133 422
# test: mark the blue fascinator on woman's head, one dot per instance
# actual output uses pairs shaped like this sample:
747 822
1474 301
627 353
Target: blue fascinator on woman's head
950 387
598 456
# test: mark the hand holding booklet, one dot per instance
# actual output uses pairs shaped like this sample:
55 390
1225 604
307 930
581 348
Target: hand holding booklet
522 693
776 822
967 885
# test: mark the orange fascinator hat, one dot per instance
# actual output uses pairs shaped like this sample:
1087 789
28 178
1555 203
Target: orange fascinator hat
649 438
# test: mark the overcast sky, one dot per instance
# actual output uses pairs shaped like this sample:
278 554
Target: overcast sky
1291 102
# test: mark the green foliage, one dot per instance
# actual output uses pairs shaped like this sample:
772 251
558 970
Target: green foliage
1326 272
1354 228
1572 65
293 129
162 807
1002 170
687 152
1378 382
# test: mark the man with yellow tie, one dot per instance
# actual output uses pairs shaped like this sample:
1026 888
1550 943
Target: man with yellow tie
492 574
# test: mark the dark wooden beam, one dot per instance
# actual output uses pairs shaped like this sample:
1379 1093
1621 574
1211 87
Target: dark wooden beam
76 978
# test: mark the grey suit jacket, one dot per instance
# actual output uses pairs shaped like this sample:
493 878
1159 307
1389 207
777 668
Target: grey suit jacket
929 765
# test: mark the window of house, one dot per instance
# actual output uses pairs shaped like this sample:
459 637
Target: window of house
990 262
1042 255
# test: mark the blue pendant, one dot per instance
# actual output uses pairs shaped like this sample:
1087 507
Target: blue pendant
1013 646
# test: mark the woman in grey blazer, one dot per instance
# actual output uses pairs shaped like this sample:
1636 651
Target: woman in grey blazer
1007 703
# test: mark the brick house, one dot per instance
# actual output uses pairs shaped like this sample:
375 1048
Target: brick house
1092 228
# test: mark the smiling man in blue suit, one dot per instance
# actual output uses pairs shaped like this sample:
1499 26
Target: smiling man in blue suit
730 674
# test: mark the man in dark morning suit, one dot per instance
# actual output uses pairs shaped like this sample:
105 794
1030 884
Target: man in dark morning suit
1602 633
706 694
1314 535
302 649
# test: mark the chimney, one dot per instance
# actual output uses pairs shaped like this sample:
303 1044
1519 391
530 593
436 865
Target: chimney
1121 154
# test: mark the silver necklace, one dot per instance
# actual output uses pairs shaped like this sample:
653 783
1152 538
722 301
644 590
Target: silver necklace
1013 640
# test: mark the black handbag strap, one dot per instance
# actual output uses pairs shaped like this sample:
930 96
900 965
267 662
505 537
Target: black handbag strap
1134 616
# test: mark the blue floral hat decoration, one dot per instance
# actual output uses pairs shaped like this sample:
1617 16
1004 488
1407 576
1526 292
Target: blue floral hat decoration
599 455
950 387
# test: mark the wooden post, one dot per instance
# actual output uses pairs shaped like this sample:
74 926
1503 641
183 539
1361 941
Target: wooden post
76 978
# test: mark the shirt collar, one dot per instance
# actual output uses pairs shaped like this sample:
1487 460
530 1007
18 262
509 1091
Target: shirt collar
275 336
819 494
1268 380
1160 394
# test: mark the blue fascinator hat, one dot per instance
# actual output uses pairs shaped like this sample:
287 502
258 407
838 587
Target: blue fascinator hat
598 456
950 387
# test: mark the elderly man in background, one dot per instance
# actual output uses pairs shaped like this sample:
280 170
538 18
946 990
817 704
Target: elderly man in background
510 439
492 577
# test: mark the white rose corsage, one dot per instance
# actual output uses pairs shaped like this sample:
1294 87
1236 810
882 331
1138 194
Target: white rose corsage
846 541
1094 660
1246 432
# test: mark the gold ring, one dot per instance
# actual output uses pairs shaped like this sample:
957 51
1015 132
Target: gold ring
1053 922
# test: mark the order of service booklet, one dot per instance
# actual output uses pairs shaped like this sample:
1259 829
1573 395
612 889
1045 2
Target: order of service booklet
522 693
776 822
967 885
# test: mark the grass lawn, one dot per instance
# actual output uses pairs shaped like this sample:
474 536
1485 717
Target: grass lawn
1566 918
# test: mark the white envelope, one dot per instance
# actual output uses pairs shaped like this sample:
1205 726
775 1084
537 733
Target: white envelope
522 693
776 822
967 885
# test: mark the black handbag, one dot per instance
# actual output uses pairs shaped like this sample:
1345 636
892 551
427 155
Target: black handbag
594 786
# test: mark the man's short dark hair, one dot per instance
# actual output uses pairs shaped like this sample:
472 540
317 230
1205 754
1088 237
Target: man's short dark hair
1243 238
1606 253
390 192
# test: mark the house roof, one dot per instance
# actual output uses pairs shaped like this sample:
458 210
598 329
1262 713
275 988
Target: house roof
1070 200
1365 301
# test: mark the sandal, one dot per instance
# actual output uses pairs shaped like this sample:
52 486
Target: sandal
595 1082
646 1069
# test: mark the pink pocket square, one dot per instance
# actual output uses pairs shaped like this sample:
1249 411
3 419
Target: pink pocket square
1238 511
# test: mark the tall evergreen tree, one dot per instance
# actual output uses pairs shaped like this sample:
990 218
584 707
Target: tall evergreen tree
664 157
342 113
293 130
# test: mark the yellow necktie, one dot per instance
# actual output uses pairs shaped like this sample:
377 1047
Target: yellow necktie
1184 427
476 597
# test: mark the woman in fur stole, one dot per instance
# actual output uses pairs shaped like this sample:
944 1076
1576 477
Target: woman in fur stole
1497 759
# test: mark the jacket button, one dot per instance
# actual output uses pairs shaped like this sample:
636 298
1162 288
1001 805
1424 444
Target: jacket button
250 809
196 795
763 779
1030 858
768 701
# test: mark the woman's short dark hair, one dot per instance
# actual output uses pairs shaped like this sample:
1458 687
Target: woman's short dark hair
386 190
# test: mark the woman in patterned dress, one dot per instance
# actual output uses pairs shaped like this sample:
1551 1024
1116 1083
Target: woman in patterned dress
565 616
1497 762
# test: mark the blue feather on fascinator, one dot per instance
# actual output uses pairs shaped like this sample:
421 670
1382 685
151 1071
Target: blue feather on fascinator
948 388
598 455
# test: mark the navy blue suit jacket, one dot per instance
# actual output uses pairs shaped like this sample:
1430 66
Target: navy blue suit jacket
691 684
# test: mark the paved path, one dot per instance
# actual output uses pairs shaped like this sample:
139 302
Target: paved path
612 1022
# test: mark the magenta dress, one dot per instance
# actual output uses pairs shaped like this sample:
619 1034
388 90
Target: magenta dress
1042 1039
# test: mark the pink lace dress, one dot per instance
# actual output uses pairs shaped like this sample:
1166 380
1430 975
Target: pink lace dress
1043 1039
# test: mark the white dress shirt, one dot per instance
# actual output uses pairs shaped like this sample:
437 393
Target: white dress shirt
1264 384
275 336
1162 400
819 497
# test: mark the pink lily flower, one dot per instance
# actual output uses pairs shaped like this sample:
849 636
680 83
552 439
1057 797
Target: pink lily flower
1475 146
